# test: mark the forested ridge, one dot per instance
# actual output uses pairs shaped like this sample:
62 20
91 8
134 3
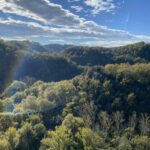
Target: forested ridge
133 53
19 63
82 98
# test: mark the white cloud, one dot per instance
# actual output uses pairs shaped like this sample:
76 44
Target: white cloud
77 8
41 10
100 5
13 28
87 29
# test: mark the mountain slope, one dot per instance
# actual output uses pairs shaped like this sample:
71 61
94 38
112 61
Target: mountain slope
134 53
27 45
17 64
56 47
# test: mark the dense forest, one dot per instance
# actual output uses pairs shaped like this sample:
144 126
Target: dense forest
80 98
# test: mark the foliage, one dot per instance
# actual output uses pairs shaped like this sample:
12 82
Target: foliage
102 105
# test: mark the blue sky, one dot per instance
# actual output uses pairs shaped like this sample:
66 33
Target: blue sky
81 22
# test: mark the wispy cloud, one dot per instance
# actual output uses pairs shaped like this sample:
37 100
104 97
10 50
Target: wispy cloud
77 8
101 5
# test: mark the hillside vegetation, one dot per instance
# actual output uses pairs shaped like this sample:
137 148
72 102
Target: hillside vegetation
18 64
135 53
83 98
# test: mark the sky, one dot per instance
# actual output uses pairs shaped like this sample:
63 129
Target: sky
105 23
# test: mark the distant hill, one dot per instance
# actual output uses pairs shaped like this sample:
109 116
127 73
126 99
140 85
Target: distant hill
35 46
18 64
134 53
27 45
56 47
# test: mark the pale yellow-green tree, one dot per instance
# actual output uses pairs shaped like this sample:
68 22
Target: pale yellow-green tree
141 142
60 139
11 137
89 139
4 144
